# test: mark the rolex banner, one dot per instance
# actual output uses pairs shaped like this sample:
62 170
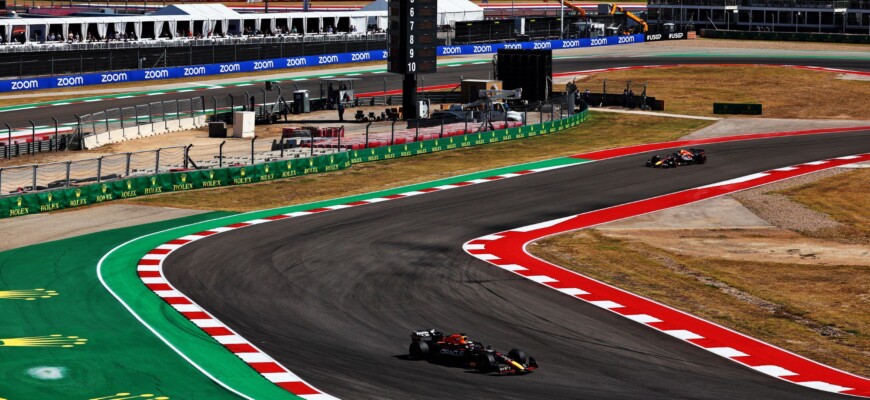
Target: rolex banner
31 203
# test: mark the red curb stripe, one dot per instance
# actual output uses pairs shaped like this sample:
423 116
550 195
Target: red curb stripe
149 262
299 388
429 190
239 225
318 210
158 286
276 217
218 331
394 196
149 274
178 241
195 315
241 348
177 300
511 249
357 203
159 251
266 367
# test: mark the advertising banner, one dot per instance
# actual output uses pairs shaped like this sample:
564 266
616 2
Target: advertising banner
31 203
654 37
13 85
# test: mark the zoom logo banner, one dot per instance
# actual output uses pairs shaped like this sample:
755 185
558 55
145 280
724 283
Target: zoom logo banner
13 85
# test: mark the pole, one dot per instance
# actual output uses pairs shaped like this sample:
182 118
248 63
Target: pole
393 132
409 96
561 18
9 142
56 141
157 161
32 137
252 149
127 169
367 133
340 134
221 154
417 130
441 135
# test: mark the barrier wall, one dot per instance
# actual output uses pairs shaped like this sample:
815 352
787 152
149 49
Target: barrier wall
32 203
13 85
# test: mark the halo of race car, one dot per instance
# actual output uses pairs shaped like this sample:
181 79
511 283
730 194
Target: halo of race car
681 157
457 350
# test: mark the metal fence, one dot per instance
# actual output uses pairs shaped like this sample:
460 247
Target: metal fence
79 172
28 178
123 118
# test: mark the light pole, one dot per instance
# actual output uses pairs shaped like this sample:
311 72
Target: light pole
562 18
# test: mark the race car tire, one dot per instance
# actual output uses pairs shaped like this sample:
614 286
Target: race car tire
702 159
485 363
519 356
419 350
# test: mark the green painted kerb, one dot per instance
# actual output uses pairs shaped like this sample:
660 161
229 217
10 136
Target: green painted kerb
110 352
115 349
118 271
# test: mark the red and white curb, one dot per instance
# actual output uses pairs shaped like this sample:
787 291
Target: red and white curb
507 250
150 271
150 267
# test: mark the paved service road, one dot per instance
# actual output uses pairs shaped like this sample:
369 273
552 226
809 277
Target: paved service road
334 296
445 75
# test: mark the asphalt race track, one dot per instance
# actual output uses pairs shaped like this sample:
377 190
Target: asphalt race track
446 75
334 296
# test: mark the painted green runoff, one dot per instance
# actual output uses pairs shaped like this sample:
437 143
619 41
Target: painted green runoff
32 203
119 355
138 349
118 271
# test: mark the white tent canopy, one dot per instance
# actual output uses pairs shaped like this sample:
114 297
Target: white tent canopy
180 20
449 11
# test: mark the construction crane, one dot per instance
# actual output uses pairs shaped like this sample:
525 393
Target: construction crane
577 8
614 8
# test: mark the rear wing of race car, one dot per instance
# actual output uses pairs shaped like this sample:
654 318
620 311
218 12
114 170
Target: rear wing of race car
430 335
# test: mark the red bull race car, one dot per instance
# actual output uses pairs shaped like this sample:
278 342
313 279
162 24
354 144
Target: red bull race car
682 157
458 350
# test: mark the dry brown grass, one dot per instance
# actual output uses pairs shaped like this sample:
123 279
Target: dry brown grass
783 92
844 197
819 311
601 131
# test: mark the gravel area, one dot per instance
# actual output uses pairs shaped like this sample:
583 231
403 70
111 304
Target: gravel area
759 44
781 211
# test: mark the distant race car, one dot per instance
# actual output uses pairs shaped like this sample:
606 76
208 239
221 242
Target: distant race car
682 157
456 349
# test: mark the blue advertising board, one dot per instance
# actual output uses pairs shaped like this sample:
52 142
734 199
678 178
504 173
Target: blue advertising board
13 85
